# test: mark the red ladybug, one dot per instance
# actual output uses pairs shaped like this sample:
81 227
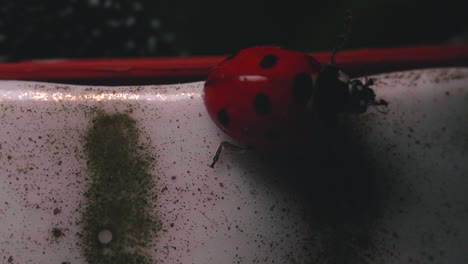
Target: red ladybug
267 95
262 95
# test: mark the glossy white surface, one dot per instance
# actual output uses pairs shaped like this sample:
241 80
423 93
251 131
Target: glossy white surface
390 188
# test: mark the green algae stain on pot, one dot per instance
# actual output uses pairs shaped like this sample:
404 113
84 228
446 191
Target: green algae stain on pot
118 221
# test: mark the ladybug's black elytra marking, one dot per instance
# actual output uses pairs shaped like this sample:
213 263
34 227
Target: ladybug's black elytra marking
303 88
223 117
269 61
262 104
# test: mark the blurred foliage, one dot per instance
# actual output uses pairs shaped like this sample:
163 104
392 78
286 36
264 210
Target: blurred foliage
125 28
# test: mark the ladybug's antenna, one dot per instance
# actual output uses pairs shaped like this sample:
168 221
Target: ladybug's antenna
343 38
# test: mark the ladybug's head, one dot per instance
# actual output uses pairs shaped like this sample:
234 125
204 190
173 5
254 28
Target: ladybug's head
360 95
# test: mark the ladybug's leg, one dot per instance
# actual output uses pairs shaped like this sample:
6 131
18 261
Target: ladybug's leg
228 146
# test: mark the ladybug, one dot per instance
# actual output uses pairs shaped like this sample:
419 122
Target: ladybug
262 95
267 95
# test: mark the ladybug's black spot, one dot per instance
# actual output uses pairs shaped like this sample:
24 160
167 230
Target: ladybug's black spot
303 88
262 104
269 61
223 117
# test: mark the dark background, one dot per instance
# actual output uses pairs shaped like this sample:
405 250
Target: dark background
149 28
